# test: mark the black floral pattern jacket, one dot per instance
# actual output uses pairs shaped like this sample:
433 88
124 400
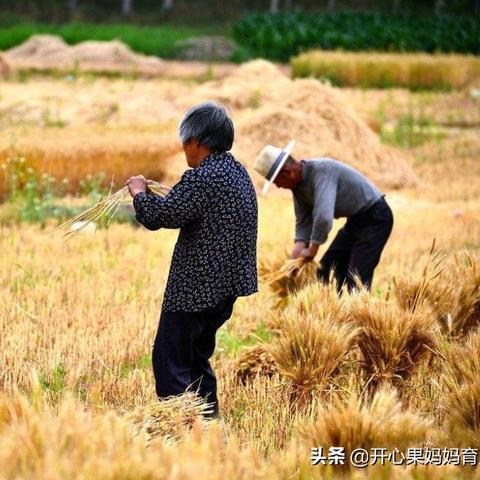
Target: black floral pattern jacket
215 207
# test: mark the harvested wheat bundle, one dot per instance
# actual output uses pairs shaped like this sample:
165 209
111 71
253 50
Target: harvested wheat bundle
253 362
453 294
393 341
170 418
359 424
311 352
461 376
319 300
104 210
411 293
286 277
465 314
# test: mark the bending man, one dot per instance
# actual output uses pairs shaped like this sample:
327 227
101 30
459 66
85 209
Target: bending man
324 189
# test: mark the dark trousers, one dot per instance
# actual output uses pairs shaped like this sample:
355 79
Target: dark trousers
183 345
357 247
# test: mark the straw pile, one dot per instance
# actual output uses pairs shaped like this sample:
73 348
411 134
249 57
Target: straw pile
50 51
170 418
271 108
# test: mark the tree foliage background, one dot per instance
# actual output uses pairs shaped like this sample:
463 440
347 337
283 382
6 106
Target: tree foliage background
198 11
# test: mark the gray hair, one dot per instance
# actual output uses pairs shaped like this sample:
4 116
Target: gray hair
210 124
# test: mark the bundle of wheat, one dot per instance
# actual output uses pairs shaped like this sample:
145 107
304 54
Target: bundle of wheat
311 350
393 341
465 315
169 418
453 294
285 277
253 362
319 300
413 292
104 210
461 376
356 424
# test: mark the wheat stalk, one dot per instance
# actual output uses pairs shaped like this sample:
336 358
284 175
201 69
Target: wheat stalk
290 268
105 209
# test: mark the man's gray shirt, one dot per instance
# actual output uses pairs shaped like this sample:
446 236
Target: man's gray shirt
329 189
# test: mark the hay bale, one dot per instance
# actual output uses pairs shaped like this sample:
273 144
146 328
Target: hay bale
271 108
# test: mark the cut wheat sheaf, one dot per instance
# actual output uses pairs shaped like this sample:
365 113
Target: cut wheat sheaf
104 210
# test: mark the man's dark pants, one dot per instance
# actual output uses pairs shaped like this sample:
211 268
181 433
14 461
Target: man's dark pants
183 345
357 247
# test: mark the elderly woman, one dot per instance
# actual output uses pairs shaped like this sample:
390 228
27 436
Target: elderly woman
215 207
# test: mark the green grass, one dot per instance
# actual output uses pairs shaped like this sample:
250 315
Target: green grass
232 344
54 381
410 132
148 40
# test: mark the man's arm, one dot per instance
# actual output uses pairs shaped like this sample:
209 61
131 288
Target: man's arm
325 196
185 203
303 226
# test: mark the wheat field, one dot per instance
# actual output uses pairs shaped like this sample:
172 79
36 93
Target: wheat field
297 367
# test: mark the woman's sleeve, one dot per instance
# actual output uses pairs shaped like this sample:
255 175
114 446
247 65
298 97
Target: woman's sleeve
185 203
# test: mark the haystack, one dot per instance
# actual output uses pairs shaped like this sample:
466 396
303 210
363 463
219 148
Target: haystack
271 108
37 47
252 84
50 51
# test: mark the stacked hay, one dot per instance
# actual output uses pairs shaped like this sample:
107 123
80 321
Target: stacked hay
37 47
249 86
271 108
50 51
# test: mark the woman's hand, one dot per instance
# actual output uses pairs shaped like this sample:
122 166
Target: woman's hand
136 185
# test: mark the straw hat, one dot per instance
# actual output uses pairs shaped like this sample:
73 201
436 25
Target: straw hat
270 162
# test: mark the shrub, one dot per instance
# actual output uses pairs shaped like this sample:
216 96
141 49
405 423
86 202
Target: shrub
280 36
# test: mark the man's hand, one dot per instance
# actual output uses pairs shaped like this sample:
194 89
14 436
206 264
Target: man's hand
136 185
309 252
297 249
300 249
